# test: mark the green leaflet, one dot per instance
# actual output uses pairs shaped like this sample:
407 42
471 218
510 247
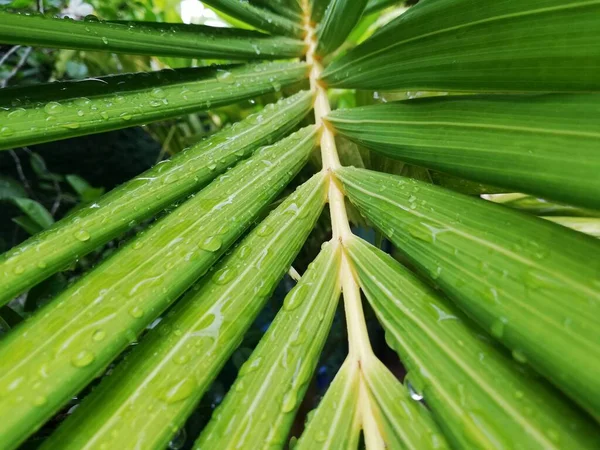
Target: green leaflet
587 225
259 409
73 108
263 19
318 8
150 192
459 45
290 9
539 206
377 5
67 343
533 285
164 377
335 424
145 38
480 397
403 423
339 19
546 145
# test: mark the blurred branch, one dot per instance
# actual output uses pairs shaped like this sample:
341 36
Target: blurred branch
17 67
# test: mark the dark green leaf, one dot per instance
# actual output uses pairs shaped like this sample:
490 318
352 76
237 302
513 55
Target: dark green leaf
338 21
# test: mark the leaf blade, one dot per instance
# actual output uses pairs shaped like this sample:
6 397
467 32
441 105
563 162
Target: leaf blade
288 353
144 196
545 145
141 38
480 398
448 45
162 367
339 19
67 109
126 292
487 259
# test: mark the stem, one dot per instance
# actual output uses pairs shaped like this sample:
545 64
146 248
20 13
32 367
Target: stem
358 337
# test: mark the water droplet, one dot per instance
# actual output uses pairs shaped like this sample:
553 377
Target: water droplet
125 116
497 329
519 356
179 391
136 312
82 235
19 270
211 244
105 40
104 115
264 230
19 112
321 436
289 401
42 264
6 131
295 297
83 358
224 76
39 400
70 125
54 108
158 93
98 335
223 276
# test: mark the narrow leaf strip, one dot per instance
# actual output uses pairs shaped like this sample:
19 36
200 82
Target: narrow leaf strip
458 45
73 108
66 344
539 206
162 380
340 18
150 192
140 38
545 145
534 285
335 424
480 397
402 422
290 9
587 225
259 409
263 19
377 5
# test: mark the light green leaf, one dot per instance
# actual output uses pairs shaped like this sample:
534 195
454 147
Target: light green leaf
587 225
377 5
145 195
73 108
539 206
145 38
458 45
175 363
263 19
335 424
546 145
259 409
534 285
480 397
86 192
76 335
338 21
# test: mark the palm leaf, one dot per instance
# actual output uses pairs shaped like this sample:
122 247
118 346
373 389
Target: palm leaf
545 145
272 382
74 108
339 19
481 398
145 195
91 322
145 38
458 45
169 375
525 280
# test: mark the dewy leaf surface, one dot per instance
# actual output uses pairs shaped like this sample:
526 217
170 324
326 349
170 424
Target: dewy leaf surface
145 195
67 343
335 424
403 423
480 397
261 18
339 19
145 38
73 108
162 380
546 145
259 409
533 285
466 45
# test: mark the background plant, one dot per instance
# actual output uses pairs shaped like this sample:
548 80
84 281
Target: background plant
492 310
